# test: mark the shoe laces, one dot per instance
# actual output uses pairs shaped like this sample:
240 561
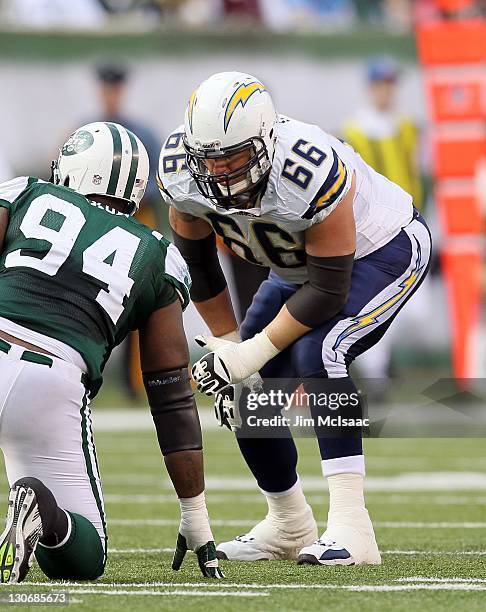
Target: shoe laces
322 542
244 538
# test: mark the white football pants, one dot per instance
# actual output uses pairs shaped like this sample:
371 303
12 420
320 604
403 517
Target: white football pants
45 432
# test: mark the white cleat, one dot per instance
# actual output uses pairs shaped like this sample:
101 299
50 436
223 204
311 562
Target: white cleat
270 540
352 543
22 532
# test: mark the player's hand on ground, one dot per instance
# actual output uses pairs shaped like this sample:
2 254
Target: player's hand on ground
206 557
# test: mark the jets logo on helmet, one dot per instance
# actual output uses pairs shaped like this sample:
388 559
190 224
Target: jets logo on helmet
78 142
104 158
230 139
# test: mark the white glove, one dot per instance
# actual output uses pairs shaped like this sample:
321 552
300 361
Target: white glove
230 362
232 336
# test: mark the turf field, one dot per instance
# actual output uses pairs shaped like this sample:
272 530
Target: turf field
427 499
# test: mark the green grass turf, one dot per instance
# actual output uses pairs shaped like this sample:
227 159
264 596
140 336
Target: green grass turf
131 466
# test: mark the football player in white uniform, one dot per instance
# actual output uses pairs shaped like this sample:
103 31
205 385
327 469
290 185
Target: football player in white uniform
346 250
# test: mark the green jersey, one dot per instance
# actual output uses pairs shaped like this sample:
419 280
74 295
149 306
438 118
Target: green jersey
81 272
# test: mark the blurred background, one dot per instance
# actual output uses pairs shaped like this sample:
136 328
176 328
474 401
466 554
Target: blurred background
350 66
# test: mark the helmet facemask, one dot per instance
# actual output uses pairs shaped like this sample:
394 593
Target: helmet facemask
240 188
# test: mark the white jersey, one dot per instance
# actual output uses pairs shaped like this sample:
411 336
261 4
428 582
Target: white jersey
311 174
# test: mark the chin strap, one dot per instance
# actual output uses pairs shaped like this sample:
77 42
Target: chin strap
54 178
131 208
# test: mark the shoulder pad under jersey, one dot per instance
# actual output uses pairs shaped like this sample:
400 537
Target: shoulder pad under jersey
308 177
176 271
173 178
10 190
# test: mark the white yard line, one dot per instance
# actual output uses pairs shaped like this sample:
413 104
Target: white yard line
161 585
171 593
139 419
212 585
130 551
415 587
248 523
420 525
408 481
427 579
229 497
444 500
411 553
259 589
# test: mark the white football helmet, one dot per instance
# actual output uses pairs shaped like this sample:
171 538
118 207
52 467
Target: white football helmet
228 114
104 158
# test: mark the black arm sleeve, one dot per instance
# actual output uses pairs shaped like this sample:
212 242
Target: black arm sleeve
202 260
173 410
326 292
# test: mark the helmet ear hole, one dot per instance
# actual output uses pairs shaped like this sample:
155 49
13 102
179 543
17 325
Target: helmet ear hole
66 182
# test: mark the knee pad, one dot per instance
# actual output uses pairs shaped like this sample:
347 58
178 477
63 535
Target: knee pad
81 557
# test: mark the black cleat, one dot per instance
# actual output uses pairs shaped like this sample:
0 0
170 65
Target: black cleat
22 532
221 555
307 560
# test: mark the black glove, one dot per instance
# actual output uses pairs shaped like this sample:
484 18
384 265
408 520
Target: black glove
206 556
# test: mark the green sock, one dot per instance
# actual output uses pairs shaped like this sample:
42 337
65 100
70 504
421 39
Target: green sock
81 557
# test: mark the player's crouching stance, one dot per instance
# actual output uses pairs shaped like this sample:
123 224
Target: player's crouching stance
346 249
77 273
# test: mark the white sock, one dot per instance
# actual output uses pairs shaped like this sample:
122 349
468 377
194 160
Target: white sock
195 521
346 495
286 506
354 464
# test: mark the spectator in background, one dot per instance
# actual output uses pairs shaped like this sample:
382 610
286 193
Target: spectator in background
277 15
193 13
398 14
112 80
384 137
112 85
328 14
49 14
246 9
388 141
429 10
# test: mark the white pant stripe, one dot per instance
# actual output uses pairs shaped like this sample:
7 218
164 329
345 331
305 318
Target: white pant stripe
379 310
93 468
42 423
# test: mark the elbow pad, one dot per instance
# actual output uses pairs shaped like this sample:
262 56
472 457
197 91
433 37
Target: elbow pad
326 292
201 256
174 410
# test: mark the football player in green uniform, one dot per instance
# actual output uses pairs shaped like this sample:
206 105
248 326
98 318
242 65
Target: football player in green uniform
77 273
